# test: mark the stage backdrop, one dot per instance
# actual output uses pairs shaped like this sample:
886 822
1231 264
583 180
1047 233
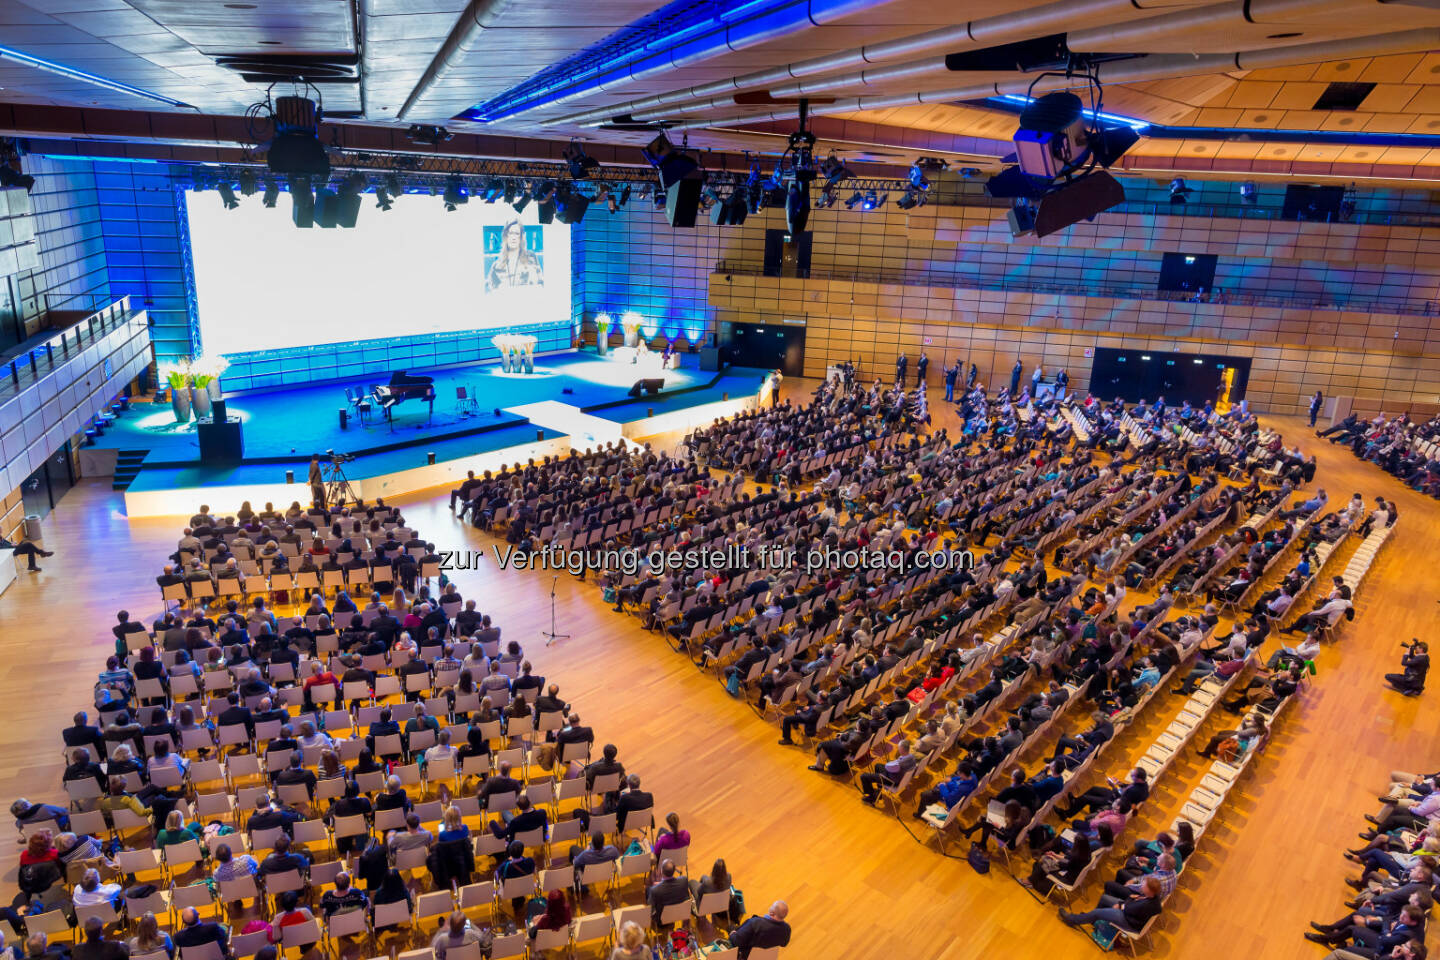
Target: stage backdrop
290 305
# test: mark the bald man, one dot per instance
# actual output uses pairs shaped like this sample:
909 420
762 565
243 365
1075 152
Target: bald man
758 933
193 932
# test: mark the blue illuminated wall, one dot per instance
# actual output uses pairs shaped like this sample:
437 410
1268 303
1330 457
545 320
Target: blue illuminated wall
634 260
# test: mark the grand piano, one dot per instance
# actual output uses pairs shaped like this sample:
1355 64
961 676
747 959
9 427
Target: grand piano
404 386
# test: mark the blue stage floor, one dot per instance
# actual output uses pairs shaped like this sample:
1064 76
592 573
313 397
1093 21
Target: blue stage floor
290 425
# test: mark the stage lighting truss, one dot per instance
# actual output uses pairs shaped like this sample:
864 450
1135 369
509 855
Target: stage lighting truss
520 184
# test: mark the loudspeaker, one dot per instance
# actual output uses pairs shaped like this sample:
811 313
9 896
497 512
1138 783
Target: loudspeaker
217 411
326 208
545 211
720 213
572 210
682 202
1078 200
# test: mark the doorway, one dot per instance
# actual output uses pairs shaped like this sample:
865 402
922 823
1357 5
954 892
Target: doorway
763 345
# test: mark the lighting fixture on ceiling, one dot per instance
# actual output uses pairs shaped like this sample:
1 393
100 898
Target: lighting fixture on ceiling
227 196
428 134
383 199
247 183
455 194
855 199
834 170
1249 193
49 66
272 192
581 163
1133 122
1179 192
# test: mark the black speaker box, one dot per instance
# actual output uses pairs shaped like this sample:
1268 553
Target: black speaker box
720 213
682 203
326 208
652 387
572 210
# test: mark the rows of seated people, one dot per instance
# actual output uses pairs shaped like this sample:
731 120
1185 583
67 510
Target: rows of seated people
1399 446
368 776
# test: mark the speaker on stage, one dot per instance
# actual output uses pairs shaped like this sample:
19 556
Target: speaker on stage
682 202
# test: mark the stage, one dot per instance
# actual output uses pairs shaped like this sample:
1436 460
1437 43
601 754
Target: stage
283 428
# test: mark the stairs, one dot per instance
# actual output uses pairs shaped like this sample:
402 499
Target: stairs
127 467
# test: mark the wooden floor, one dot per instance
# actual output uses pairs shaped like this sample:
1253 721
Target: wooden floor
857 884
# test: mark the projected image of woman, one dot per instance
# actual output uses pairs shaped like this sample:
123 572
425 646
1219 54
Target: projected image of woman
515 265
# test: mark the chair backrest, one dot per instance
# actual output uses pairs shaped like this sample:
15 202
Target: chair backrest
347 924
301 934
204 951
389 914
675 912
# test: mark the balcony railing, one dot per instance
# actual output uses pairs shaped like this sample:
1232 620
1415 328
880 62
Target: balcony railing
28 362
936 278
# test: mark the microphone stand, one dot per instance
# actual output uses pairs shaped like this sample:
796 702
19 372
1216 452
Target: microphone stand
551 636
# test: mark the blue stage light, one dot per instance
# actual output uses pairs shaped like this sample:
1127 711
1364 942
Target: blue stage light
73 73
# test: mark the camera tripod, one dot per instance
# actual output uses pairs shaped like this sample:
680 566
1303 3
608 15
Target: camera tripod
338 492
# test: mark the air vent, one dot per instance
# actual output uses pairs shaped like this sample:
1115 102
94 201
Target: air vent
314 68
1344 96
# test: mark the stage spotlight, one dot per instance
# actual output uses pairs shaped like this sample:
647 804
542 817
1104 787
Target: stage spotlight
709 198
871 201
611 203
797 208
509 191
828 198
645 191
227 196
834 170
494 189
1179 193
581 163
302 201
455 194
355 183
247 183
542 190
382 198
624 195
428 133
913 198
854 200
521 202
10 177
1249 193
272 192
673 164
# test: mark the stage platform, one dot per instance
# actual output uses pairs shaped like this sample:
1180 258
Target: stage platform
284 428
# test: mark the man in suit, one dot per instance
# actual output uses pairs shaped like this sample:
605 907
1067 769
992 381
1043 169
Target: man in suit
467 620
296 774
529 818
631 800
1015 372
761 933
95 946
500 783
1131 913
268 816
385 627
573 732
382 727
487 634
549 702
1315 404
921 366
669 889
82 734
194 933
607 764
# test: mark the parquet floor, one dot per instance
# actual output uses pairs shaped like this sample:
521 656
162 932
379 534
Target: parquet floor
857 885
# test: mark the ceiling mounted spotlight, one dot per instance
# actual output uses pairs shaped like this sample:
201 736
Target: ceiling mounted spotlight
855 199
455 194
834 170
227 196
428 133
272 192
383 200
1249 193
247 183
624 195
581 163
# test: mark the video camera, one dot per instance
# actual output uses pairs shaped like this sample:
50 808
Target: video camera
339 457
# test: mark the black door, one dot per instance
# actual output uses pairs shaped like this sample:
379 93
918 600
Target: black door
766 346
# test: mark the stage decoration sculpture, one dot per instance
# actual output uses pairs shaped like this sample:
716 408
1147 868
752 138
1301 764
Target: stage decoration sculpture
179 382
517 352
602 333
631 324
210 367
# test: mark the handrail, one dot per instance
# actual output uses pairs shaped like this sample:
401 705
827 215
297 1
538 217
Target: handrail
936 278
33 360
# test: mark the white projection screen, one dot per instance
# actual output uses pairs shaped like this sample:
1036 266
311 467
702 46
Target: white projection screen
264 284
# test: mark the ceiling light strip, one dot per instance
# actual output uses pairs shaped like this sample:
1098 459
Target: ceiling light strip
7 53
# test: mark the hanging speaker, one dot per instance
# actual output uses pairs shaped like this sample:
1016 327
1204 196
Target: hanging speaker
682 203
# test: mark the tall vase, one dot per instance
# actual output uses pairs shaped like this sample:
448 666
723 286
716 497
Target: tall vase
180 403
602 340
213 388
200 402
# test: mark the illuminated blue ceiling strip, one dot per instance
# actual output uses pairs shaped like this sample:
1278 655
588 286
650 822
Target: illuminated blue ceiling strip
1013 103
73 73
652 35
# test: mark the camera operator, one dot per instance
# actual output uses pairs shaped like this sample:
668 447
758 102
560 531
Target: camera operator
317 482
1415 663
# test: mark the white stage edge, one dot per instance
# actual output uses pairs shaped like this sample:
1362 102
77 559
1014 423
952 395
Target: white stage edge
583 431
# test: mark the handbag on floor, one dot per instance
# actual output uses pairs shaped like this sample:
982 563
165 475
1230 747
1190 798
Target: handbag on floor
978 859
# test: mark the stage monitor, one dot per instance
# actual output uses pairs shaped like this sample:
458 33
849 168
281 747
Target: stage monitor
415 269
